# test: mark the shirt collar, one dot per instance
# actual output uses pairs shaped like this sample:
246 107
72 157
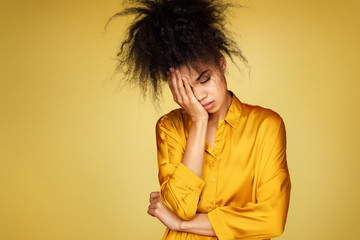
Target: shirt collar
232 116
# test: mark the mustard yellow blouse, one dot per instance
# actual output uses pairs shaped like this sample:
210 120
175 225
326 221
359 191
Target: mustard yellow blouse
245 186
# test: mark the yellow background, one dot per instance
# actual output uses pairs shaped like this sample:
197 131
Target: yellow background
78 157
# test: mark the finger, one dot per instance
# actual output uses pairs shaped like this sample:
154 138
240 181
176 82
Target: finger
156 199
179 82
154 195
180 85
188 89
151 212
171 86
152 206
177 96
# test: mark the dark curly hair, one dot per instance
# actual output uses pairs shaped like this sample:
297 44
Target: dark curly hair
171 33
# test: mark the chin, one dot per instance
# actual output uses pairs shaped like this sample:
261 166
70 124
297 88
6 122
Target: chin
213 110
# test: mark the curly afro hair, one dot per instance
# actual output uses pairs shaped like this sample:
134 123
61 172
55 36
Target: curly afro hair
171 33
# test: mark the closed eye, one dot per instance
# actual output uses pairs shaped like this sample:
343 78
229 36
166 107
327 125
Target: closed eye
205 80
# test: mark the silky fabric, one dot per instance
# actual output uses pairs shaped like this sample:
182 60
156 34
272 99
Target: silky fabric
245 185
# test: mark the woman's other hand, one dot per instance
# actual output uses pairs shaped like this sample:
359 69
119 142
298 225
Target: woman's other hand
184 96
158 209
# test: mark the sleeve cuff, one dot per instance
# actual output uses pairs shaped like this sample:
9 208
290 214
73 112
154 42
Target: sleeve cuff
189 178
217 224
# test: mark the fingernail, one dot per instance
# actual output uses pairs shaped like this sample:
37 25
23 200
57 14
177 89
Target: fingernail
183 78
177 71
171 69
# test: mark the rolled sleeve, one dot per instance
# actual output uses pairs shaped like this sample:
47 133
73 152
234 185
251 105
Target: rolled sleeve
187 178
180 188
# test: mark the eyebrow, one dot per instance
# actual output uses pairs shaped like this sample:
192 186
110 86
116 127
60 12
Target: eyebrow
201 74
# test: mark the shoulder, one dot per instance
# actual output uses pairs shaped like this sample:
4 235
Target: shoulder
171 122
171 118
262 114
170 128
265 120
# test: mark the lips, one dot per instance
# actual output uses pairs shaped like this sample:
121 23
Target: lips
208 105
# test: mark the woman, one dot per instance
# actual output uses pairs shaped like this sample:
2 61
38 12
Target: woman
222 163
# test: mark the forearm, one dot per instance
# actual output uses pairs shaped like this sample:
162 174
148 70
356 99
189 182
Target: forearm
194 150
200 224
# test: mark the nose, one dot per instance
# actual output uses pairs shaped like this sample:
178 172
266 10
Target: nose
199 94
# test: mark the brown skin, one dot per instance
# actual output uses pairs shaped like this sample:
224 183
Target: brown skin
192 90
200 224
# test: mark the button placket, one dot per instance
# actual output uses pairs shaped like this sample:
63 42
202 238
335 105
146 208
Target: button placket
212 161
211 183
214 166
215 181
218 138
219 141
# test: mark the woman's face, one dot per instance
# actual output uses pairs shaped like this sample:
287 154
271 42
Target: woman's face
209 85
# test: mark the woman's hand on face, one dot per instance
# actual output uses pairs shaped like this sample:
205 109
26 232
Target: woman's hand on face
158 209
184 96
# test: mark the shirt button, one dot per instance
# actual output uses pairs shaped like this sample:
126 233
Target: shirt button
213 179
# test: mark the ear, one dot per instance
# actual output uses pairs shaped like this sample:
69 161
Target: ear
222 62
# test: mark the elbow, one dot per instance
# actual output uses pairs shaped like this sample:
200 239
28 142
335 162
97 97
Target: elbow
276 230
277 221
276 226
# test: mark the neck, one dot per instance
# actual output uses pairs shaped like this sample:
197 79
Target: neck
216 117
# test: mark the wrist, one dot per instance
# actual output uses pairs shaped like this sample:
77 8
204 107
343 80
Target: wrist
181 227
200 120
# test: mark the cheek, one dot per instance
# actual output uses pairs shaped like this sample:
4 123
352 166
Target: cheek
211 88
216 87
